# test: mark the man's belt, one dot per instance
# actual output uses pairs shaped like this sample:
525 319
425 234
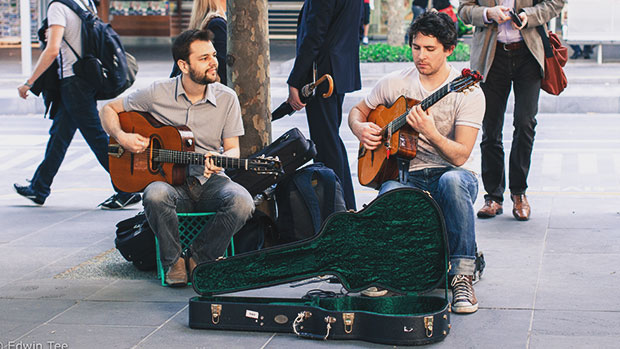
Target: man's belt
512 46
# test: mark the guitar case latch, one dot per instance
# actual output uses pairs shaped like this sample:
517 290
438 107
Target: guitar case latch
428 325
216 311
348 319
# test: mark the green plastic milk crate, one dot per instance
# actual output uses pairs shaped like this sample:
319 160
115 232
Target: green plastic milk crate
190 225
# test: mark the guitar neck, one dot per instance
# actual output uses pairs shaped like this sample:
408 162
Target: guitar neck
189 158
401 120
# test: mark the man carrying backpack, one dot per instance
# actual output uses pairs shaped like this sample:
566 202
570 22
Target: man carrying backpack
75 107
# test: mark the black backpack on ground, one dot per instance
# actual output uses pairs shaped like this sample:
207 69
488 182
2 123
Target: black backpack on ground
104 62
136 242
255 234
305 199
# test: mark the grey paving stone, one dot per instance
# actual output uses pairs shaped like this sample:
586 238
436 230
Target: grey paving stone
26 266
488 328
142 291
51 289
506 288
290 340
602 212
525 254
85 336
18 316
577 324
11 330
579 282
583 241
120 313
539 341
177 334
585 104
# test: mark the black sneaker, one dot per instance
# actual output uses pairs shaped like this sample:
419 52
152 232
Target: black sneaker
120 200
29 193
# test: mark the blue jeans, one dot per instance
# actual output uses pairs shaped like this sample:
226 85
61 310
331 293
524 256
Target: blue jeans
231 202
455 191
77 110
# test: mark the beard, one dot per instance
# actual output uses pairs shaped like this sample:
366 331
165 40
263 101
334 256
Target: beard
201 78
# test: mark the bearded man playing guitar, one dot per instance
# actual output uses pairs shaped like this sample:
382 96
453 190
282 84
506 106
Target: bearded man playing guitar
447 133
211 110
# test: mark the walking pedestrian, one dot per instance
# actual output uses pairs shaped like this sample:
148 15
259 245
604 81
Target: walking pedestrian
75 107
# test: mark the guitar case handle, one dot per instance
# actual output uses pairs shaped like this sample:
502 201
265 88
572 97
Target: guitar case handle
329 320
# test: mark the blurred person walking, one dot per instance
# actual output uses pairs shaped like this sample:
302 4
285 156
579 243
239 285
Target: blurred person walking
75 106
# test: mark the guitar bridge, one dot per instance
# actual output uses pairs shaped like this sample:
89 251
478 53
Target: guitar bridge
115 150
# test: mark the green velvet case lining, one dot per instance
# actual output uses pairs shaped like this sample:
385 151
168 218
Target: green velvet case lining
392 306
397 242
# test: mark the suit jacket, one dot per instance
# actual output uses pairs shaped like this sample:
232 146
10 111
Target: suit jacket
485 35
328 34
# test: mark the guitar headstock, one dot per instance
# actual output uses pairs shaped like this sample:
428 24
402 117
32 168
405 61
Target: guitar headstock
266 165
467 79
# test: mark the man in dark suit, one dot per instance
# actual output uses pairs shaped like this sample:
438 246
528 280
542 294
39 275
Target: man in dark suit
328 38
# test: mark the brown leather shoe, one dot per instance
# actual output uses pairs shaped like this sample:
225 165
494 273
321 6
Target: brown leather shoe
177 275
490 209
520 208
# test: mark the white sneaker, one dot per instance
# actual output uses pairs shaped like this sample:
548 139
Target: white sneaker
365 40
463 297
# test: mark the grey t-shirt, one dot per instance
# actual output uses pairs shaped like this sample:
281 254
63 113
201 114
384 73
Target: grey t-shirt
453 110
211 119
59 14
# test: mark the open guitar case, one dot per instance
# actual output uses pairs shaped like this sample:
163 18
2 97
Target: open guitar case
397 242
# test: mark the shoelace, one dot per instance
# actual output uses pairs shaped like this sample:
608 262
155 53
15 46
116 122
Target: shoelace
461 289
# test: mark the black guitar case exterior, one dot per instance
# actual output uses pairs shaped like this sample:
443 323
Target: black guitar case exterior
292 149
397 242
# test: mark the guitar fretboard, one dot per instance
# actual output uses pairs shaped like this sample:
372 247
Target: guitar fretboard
401 120
189 158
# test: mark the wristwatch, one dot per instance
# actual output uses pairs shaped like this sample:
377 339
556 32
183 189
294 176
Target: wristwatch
28 84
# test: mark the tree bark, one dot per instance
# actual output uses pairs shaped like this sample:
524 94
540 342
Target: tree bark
395 27
248 69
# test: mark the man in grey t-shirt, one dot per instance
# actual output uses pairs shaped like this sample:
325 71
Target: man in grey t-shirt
447 134
211 110
74 108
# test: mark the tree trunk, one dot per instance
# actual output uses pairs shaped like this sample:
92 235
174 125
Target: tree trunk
395 27
248 69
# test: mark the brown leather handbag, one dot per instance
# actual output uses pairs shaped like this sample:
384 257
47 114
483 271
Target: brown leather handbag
556 55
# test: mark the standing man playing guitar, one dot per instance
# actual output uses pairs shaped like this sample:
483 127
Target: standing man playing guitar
447 134
212 112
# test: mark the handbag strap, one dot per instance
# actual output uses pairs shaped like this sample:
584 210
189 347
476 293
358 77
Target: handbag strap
543 36
545 40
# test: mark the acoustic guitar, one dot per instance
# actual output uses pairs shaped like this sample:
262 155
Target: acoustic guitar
399 140
167 156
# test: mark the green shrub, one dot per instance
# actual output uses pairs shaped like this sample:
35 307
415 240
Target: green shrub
386 53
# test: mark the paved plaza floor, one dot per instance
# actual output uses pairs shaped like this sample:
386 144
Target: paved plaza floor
550 282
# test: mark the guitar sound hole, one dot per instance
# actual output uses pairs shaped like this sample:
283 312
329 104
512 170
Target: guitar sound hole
154 164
